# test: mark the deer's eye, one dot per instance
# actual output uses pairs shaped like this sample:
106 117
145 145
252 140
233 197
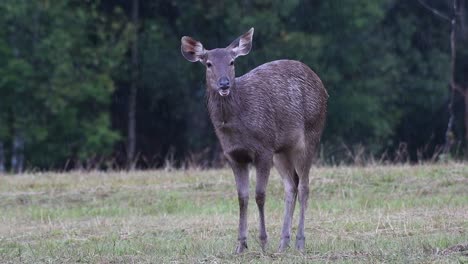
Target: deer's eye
231 63
208 64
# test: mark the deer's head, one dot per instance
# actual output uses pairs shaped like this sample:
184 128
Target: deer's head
219 63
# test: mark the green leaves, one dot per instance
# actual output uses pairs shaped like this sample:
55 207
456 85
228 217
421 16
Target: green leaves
56 86
64 71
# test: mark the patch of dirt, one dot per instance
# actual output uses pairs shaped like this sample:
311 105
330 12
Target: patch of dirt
459 248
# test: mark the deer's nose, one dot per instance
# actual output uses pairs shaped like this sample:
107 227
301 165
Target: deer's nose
223 83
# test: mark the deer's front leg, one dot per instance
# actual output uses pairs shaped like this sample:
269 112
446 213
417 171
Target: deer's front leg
241 174
263 173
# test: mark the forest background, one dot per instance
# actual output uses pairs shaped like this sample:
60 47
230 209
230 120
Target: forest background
102 84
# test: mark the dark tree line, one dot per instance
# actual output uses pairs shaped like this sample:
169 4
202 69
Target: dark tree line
102 83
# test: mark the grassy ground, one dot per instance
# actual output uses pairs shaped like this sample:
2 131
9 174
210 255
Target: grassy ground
396 214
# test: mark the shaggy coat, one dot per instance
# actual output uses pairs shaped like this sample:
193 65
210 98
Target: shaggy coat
273 115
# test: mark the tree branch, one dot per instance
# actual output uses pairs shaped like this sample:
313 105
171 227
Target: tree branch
435 11
459 89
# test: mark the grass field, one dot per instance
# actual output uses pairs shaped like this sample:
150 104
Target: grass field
391 214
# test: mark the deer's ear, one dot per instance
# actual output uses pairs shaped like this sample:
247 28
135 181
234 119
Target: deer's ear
192 49
242 45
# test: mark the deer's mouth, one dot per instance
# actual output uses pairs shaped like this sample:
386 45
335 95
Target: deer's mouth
224 92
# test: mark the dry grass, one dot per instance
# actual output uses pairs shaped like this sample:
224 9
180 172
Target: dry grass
391 214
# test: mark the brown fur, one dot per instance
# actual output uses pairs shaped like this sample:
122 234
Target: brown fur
274 114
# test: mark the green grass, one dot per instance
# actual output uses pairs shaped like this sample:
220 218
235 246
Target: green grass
390 214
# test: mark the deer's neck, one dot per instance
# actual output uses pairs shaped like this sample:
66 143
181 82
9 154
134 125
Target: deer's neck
223 109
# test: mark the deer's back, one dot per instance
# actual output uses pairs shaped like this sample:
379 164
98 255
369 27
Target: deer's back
286 98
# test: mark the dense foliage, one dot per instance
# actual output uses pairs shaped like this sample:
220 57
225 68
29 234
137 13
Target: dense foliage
65 74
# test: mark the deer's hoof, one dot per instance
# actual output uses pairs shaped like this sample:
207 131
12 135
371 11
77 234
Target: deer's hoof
284 245
300 244
241 247
263 243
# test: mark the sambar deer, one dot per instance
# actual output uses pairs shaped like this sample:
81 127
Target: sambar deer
273 115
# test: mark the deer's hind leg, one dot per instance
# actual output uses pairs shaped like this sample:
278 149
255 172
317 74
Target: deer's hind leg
285 167
303 193
302 163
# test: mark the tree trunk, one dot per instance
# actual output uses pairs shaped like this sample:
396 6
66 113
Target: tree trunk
2 158
464 33
466 122
17 153
463 24
449 136
131 139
